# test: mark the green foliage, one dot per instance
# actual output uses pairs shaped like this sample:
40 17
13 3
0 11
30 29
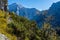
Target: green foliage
19 28
25 29
4 27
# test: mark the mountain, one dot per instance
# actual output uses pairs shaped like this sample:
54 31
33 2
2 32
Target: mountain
51 15
30 13
14 8
22 11
54 11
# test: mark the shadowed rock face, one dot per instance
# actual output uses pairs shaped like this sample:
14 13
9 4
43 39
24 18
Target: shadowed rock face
3 5
54 11
3 37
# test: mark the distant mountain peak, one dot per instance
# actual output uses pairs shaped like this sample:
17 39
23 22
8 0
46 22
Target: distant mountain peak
18 5
21 6
58 2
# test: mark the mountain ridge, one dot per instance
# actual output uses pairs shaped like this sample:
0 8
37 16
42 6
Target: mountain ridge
40 16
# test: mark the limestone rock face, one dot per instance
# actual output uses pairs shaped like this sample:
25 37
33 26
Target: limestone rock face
3 37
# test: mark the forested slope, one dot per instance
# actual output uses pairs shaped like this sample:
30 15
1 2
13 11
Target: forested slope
19 28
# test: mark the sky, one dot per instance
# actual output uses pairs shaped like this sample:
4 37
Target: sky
38 4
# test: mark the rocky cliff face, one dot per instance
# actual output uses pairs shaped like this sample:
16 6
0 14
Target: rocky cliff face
3 37
54 11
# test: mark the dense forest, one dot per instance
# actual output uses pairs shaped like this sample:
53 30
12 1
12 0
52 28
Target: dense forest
19 28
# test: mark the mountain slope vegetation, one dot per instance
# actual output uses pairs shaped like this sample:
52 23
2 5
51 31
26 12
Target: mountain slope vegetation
19 28
4 27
